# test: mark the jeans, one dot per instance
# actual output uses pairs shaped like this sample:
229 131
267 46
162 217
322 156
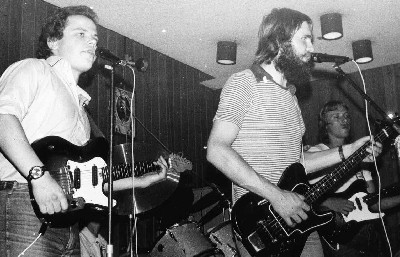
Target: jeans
19 226
313 246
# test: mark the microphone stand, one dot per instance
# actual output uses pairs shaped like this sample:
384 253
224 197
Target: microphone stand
366 97
110 249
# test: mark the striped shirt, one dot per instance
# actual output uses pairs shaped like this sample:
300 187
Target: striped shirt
269 119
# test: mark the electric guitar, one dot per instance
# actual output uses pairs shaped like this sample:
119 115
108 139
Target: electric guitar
345 227
264 232
81 171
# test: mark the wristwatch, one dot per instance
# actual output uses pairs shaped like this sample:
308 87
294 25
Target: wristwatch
35 172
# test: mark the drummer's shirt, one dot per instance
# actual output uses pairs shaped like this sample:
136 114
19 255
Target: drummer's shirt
92 246
45 98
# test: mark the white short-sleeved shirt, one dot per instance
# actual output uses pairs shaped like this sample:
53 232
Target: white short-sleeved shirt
92 246
45 98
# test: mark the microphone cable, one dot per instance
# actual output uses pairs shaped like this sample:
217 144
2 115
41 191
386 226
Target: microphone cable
376 167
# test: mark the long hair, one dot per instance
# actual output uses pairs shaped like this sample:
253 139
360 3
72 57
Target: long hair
55 25
277 28
322 123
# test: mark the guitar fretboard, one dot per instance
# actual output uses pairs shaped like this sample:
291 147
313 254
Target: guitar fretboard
331 180
121 171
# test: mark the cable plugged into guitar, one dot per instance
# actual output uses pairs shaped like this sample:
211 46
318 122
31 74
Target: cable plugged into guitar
76 204
42 230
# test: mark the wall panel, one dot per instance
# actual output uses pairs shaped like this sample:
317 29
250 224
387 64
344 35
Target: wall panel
170 99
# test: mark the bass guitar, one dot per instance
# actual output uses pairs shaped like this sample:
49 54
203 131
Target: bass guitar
346 227
264 233
81 171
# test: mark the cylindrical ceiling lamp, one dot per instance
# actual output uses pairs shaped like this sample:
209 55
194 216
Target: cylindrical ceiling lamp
226 52
331 26
362 51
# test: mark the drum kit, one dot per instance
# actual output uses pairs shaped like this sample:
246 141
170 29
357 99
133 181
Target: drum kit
181 235
186 238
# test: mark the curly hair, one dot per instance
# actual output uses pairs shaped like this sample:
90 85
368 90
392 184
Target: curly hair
328 107
55 25
277 28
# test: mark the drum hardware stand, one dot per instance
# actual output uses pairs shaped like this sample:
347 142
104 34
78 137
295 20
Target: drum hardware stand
141 65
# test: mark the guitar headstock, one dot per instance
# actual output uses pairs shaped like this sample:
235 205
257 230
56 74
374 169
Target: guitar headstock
178 163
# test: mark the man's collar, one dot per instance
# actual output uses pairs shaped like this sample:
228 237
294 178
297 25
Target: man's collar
52 60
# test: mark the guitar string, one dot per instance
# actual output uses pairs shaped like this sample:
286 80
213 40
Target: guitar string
320 187
277 224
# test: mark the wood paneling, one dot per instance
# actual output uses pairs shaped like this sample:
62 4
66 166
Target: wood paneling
171 102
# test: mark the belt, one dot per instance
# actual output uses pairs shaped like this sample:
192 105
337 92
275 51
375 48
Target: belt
7 185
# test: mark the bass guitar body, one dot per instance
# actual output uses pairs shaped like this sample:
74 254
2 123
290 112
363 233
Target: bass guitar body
263 232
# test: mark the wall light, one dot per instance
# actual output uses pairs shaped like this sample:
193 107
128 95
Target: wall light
226 52
362 51
331 26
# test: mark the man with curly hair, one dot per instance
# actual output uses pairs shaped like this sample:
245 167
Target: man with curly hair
40 97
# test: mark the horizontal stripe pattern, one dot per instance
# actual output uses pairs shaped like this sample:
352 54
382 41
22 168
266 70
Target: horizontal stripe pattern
270 122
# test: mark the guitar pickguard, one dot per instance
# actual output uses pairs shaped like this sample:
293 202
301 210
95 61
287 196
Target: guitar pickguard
88 179
361 213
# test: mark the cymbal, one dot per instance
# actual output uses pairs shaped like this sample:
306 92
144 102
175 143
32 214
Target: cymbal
217 209
122 153
145 198
205 201
209 199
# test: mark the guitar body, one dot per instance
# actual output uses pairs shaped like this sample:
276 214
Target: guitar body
55 151
77 169
81 170
264 232
344 228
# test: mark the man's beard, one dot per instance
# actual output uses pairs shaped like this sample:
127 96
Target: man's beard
295 70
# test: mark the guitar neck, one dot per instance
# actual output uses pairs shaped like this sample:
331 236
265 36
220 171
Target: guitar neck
121 171
331 180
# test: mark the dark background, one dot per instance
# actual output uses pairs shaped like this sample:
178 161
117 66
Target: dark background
177 109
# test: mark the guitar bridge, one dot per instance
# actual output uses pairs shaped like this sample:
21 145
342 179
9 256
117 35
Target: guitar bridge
255 239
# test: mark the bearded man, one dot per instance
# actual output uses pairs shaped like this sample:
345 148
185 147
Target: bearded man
258 128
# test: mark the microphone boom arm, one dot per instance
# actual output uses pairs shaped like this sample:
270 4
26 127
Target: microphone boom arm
364 95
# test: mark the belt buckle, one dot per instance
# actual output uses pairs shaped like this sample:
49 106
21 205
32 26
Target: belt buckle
6 185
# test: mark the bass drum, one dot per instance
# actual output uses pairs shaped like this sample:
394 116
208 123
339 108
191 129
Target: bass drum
222 237
184 240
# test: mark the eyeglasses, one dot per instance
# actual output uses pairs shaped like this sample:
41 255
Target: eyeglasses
339 116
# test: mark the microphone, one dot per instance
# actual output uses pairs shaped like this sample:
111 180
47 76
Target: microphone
107 55
141 64
318 57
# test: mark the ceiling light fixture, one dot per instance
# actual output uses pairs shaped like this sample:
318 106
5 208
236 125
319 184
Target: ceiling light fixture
362 51
226 52
331 26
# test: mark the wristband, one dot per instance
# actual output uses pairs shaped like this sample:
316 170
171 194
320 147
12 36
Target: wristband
340 149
